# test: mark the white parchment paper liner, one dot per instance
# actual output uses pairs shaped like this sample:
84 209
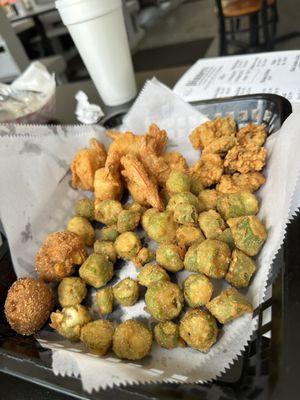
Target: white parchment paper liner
36 199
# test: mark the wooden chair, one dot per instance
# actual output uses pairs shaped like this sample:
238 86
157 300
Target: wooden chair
230 13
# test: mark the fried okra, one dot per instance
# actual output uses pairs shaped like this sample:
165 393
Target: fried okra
85 208
226 236
249 234
230 304
132 340
58 255
240 269
135 207
198 329
164 300
185 214
109 233
159 226
69 321
187 235
170 256
237 205
128 245
167 334
71 291
128 220
197 290
196 184
143 257
97 336
106 248
126 292
107 211
28 305
213 258
211 223
83 228
151 273
178 182
208 198
190 260
105 300
97 270
184 198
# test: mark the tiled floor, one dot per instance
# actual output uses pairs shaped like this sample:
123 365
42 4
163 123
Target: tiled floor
196 20
190 21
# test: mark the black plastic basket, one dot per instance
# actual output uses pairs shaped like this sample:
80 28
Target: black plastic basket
268 367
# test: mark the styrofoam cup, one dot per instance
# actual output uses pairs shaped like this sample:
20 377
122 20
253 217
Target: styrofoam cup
98 30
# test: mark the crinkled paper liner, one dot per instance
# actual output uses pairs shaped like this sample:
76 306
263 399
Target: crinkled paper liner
51 209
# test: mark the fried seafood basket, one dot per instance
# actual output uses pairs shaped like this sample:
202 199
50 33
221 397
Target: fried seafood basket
268 367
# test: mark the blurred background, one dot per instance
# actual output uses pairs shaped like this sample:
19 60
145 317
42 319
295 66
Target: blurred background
166 36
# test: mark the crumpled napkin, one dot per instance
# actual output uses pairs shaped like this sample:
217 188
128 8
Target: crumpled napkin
86 112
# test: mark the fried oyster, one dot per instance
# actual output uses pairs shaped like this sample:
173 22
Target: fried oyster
206 133
235 183
252 133
220 146
57 257
208 169
85 164
246 158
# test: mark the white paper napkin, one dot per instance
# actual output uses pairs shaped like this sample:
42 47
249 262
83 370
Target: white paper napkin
39 200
